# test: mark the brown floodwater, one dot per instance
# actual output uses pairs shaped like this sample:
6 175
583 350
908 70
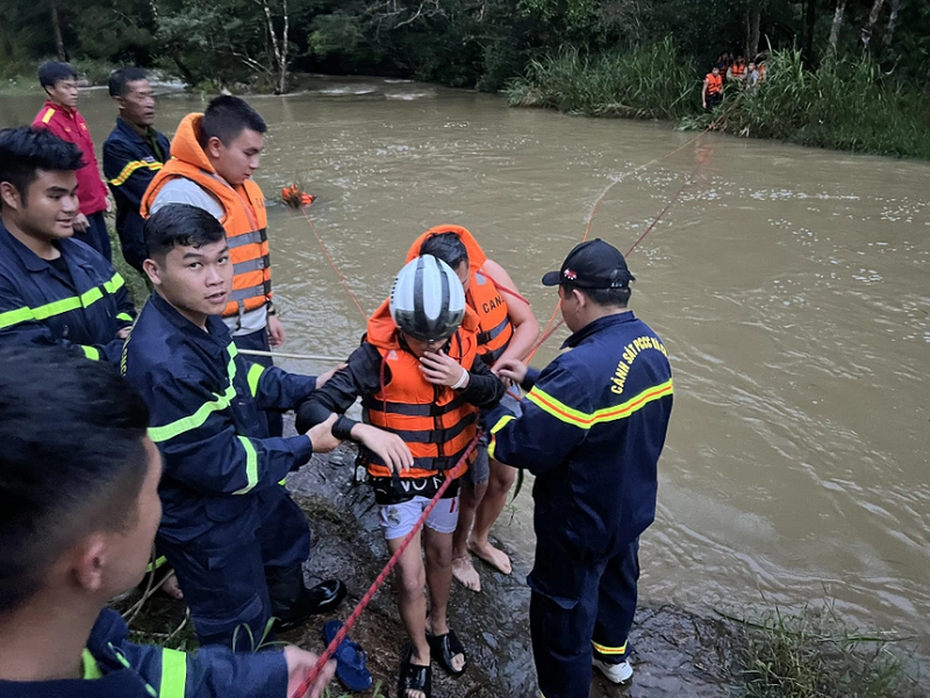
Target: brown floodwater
791 286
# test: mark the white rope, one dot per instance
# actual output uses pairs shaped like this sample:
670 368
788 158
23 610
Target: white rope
284 355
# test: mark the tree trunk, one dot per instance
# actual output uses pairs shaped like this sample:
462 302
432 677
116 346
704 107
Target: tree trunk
810 19
279 48
56 32
835 28
754 32
892 21
866 33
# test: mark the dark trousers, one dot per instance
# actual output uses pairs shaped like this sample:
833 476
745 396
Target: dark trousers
259 340
242 572
96 235
565 640
713 100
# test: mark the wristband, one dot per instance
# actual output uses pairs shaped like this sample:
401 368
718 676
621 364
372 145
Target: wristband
461 381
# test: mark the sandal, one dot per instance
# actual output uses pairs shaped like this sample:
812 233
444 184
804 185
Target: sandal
443 648
414 677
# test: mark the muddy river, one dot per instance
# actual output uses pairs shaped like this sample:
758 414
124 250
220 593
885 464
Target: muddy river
791 286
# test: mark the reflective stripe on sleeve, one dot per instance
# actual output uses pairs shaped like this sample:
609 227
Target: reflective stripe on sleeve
173 674
124 316
59 307
584 420
91 353
251 465
131 167
501 423
255 374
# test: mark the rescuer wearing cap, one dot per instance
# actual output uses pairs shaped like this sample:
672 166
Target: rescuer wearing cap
422 383
591 430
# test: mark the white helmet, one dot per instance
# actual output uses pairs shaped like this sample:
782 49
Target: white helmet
427 301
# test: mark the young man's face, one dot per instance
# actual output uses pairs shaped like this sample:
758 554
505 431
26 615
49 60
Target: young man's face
420 347
238 161
46 210
137 105
132 547
64 92
461 271
195 280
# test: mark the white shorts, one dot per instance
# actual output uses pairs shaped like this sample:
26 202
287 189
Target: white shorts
397 520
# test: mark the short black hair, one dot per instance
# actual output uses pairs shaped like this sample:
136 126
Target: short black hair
180 225
25 150
226 117
53 71
119 78
606 297
73 460
446 246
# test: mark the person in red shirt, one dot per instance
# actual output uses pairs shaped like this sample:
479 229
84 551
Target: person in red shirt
59 115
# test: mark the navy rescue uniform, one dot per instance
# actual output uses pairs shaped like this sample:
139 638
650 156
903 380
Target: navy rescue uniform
116 668
591 429
77 301
233 534
130 161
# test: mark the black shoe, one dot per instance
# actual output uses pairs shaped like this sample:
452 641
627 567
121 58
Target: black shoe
322 598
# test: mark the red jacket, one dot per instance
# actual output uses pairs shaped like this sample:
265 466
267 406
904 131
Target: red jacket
69 125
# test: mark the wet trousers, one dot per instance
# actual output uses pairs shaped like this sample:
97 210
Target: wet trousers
243 571
565 640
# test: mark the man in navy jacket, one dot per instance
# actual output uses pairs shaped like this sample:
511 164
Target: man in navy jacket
132 154
234 536
78 512
54 290
591 429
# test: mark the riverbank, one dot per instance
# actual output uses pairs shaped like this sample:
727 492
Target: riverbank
849 105
678 652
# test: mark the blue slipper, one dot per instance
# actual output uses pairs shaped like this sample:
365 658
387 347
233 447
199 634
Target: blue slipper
350 659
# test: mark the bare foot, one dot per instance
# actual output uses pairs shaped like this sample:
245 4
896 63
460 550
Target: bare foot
498 559
171 587
465 573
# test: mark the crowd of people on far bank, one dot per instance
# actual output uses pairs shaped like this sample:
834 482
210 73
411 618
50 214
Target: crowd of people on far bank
127 428
728 70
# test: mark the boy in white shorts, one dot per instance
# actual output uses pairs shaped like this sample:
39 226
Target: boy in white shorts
422 384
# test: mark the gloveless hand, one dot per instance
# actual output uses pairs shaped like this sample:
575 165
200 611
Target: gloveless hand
441 369
299 664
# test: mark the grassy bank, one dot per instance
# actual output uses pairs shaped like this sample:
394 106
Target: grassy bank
848 105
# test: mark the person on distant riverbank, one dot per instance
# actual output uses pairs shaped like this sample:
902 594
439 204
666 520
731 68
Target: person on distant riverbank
422 383
59 115
132 154
712 90
213 158
54 290
752 77
507 329
737 71
591 429
236 539
80 506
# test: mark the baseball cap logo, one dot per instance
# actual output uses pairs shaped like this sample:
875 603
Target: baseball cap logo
570 274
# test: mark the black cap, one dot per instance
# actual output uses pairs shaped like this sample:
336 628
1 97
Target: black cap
592 264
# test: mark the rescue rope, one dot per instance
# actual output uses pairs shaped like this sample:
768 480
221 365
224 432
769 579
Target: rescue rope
380 579
286 355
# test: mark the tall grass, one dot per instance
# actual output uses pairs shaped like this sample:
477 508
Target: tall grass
645 82
846 105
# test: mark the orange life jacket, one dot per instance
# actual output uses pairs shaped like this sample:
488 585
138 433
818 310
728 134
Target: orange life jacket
433 420
244 217
483 296
714 84
738 70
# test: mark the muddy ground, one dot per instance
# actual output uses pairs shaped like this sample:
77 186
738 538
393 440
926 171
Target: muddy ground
677 653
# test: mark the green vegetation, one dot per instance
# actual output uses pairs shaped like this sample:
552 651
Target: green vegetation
813 655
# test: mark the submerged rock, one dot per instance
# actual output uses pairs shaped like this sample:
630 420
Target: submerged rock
676 652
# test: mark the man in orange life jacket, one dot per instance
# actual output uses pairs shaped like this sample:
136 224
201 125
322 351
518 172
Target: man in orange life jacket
712 92
422 383
59 115
737 71
213 158
507 329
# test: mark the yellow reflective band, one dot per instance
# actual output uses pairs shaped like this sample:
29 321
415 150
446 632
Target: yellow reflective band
255 373
91 353
131 167
159 562
48 115
603 649
251 465
282 481
124 316
196 420
90 666
582 420
173 674
43 312
496 428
